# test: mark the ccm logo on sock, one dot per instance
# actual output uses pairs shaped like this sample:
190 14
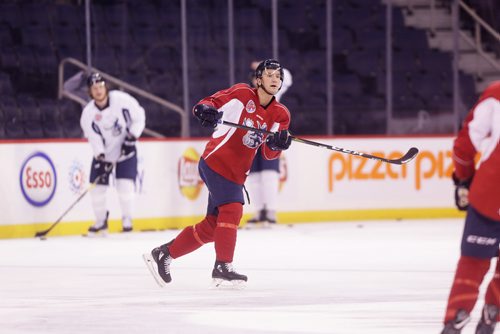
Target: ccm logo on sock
474 239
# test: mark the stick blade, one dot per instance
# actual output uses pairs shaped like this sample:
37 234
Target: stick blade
40 234
412 153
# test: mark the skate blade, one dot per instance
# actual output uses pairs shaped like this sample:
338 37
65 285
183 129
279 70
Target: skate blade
151 264
220 284
258 225
100 234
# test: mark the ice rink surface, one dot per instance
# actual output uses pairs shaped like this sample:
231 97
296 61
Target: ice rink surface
343 277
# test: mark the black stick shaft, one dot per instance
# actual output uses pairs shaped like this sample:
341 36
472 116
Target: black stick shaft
89 188
407 157
42 233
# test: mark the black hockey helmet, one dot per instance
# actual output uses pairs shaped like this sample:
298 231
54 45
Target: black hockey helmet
272 64
94 78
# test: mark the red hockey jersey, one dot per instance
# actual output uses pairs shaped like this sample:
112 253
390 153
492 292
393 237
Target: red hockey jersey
230 151
481 133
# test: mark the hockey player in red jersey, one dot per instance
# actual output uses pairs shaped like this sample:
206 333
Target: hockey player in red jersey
478 192
224 166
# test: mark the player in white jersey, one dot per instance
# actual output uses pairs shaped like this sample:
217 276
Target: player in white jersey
112 121
264 177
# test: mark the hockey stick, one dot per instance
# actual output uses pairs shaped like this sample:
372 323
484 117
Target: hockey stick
43 233
407 157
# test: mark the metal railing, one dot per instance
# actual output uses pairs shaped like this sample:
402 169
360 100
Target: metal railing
479 24
62 92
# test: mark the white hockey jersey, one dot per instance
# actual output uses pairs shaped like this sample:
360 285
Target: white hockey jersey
106 129
287 83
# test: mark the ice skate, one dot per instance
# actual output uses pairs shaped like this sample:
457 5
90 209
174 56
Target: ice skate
255 224
127 229
224 276
488 320
258 221
126 225
456 325
269 217
255 220
99 229
158 262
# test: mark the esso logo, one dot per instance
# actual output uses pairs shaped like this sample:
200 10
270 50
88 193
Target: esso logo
38 179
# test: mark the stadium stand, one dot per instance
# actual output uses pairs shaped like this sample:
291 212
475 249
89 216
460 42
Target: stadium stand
139 42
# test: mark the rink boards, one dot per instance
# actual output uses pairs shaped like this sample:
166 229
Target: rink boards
41 179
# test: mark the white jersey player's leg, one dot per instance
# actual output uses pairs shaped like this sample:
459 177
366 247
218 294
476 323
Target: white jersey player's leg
98 196
126 194
269 191
256 198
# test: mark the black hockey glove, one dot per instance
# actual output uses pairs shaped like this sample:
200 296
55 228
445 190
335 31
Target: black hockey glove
207 115
102 168
279 141
461 192
128 147
100 157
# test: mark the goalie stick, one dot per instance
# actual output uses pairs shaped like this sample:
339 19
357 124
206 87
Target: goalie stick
407 157
91 186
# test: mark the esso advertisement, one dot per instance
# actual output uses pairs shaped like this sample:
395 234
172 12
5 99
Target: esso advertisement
38 179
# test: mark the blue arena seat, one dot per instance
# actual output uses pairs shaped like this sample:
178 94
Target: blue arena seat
6 38
13 124
50 119
31 116
5 84
141 42
11 13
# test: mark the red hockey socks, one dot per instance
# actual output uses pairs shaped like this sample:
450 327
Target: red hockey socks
193 237
465 289
493 292
225 233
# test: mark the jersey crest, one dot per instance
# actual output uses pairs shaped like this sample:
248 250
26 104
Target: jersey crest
250 107
253 139
116 128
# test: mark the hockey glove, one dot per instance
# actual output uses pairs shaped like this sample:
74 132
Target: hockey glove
102 168
128 147
207 115
100 157
279 141
461 192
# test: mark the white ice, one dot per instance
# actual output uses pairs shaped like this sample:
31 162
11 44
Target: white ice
342 277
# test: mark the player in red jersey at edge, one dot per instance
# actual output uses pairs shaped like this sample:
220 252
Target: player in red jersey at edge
224 166
478 192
